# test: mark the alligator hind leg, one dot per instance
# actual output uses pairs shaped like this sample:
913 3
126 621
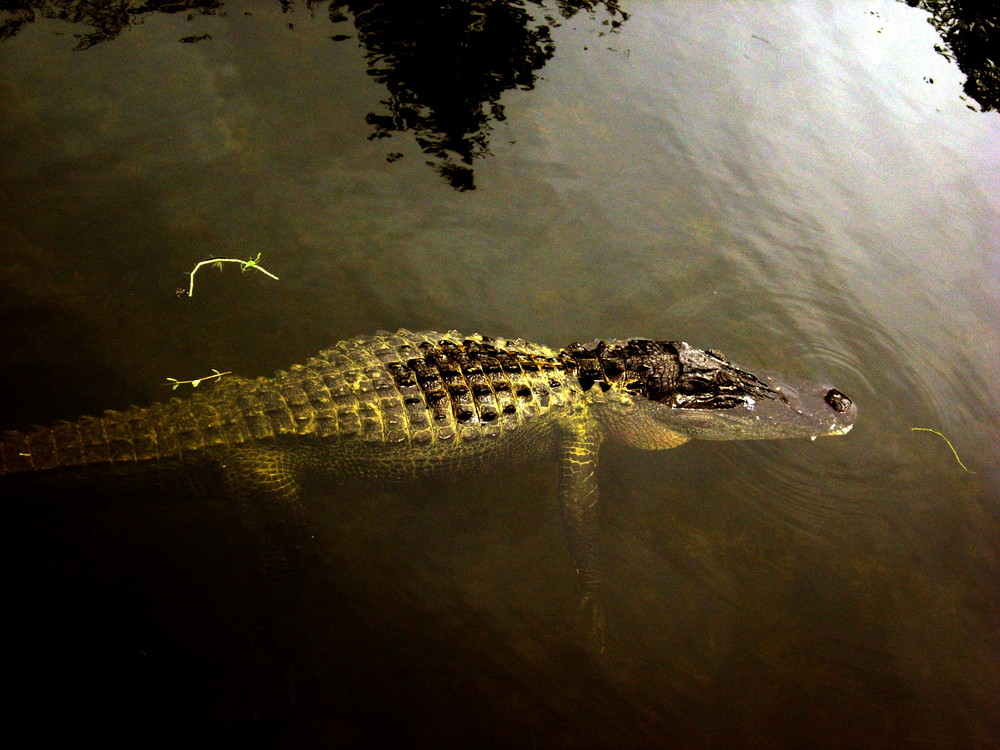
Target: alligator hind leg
264 485
578 495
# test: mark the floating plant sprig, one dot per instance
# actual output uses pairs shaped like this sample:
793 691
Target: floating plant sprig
245 265
954 452
174 383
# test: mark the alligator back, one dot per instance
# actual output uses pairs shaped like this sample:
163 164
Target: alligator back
436 396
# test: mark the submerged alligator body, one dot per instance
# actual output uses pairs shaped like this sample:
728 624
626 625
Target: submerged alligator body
399 406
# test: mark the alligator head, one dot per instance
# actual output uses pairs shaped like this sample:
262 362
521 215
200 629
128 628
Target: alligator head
660 393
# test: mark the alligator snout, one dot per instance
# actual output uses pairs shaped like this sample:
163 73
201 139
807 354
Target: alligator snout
799 408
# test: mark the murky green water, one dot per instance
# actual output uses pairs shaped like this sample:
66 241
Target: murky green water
781 181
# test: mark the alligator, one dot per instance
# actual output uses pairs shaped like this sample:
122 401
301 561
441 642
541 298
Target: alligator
395 407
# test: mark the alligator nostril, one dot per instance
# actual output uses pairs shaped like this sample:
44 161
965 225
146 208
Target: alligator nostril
837 401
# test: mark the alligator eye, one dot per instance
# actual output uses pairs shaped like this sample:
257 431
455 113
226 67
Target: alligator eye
837 401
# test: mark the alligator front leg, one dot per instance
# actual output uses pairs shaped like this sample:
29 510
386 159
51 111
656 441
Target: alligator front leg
578 495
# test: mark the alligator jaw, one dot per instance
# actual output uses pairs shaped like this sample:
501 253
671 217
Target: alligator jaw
836 431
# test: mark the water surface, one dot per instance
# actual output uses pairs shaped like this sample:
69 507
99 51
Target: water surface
781 181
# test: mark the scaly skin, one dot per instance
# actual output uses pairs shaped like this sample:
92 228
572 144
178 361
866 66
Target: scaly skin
395 407
358 405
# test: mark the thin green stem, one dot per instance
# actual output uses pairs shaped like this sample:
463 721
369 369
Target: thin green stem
954 452
245 265
174 382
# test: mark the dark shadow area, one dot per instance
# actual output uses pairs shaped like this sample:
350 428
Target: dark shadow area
444 65
142 626
971 35
135 625
442 616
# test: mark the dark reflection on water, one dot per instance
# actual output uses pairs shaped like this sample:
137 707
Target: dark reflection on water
107 20
971 35
444 65
775 180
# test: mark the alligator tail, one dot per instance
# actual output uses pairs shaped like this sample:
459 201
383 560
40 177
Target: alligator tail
162 432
